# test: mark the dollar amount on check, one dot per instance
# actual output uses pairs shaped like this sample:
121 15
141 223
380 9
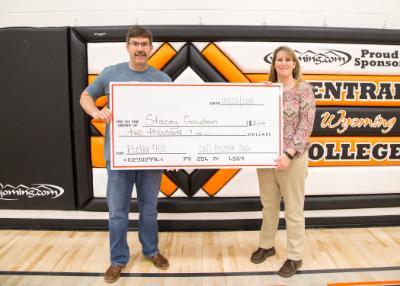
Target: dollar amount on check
210 125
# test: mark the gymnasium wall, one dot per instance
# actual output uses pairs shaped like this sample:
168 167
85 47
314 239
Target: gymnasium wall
323 13
53 171
355 143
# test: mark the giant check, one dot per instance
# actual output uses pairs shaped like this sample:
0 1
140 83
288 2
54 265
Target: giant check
210 125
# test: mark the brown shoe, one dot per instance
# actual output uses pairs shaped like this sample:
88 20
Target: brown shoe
113 273
261 254
289 268
159 261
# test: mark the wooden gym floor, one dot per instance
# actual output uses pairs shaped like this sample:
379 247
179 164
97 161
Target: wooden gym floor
201 258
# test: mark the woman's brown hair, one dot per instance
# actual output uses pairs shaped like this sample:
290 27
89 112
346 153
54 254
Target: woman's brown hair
297 75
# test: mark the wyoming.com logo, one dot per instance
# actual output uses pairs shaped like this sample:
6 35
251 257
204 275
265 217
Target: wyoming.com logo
11 193
327 57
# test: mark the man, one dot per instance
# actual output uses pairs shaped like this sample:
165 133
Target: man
120 182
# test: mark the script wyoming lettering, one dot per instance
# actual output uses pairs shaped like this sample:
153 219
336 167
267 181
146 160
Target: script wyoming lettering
342 122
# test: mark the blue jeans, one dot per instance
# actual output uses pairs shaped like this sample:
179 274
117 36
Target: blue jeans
119 191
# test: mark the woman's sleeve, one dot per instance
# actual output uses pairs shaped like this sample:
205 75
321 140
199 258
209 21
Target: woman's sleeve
306 118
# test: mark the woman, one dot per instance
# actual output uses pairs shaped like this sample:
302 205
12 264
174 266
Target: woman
288 179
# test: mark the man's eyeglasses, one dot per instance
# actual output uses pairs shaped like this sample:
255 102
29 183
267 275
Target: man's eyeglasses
139 44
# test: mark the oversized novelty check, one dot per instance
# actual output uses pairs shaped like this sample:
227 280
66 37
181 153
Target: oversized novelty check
210 125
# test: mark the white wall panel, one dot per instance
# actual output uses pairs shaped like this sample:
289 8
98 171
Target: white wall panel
188 75
200 45
249 56
243 184
353 180
343 6
101 55
177 45
71 215
100 185
201 194
343 181
182 17
341 13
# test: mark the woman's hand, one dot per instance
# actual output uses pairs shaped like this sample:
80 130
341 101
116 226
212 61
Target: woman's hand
283 162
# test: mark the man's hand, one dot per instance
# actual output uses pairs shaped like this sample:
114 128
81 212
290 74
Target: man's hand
90 108
103 115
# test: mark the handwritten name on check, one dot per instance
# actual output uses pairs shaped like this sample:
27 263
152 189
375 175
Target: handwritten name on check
210 125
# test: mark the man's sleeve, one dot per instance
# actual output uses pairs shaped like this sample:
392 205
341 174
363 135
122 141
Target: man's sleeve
167 78
97 87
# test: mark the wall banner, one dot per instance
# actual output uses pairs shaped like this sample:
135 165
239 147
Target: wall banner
318 58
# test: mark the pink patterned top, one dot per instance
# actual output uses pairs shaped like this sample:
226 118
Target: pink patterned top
298 117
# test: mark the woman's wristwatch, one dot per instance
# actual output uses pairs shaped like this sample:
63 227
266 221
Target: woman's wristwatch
288 155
